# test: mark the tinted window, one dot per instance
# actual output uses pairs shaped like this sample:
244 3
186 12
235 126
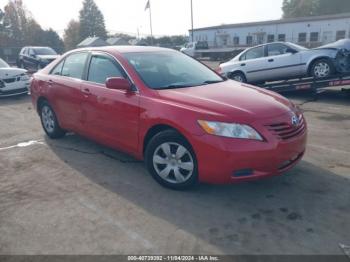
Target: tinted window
249 40
74 65
101 68
302 37
270 38
168 69
282 37
44 51
276 49
314 37
31 52
340 35
236 40
58 69
254 53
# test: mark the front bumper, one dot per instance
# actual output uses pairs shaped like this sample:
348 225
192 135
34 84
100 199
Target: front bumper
226 160
15 89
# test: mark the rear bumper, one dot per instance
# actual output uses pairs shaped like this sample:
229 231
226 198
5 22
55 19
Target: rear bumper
224 160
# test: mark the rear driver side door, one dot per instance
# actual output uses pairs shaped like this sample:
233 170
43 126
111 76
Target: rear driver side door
253 63
65 82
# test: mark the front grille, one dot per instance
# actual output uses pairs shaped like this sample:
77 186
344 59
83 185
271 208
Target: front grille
13 79
287 131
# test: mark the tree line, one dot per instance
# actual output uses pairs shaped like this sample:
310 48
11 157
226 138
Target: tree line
302 8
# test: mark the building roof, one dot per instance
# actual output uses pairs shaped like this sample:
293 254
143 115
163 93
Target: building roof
117 41
92 41
280 21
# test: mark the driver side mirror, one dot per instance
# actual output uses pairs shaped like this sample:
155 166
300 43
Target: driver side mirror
118 83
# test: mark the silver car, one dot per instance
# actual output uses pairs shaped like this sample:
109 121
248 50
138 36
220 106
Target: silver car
280 61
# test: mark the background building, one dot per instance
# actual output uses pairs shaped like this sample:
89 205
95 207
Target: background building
306 31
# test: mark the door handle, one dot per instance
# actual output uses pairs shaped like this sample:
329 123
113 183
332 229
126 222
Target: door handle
271 60
51 82
86 91
243 64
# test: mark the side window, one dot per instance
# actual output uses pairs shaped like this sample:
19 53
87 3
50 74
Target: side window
101 68
58 69
276 49
74 65
255 53
31 52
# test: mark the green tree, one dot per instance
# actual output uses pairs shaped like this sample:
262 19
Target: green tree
326 7
15 21
300 8
52 39
91 20
71 37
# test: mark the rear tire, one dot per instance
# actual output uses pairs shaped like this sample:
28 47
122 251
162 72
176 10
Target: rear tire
238 76
322 68
49 121
171 161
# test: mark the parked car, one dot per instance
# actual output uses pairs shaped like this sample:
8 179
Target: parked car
13 81
187 122
36 58
191 47
280 61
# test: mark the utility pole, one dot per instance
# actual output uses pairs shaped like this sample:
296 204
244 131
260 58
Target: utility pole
192 21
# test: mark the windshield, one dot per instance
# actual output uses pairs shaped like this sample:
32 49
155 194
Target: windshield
44 51
3 64
168 69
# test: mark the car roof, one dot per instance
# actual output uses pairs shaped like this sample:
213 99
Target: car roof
37 47
125 49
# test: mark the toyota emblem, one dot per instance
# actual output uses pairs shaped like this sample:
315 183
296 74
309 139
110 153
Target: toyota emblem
295 120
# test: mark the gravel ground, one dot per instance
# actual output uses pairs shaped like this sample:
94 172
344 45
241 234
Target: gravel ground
72 196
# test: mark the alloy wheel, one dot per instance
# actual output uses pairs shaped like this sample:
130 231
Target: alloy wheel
48 119
173 163
322 69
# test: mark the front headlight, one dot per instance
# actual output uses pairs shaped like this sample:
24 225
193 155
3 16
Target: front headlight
24 78
231 130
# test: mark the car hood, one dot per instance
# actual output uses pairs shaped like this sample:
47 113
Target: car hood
230 100
48 57
341 44
11 72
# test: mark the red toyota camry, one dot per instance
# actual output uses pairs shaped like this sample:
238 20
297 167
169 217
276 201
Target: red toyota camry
187 122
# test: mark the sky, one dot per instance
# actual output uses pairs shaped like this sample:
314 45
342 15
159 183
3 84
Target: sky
169 17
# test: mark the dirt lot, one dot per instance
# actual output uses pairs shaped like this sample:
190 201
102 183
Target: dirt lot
72 196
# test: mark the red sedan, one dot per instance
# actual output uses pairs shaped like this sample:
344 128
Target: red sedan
187 122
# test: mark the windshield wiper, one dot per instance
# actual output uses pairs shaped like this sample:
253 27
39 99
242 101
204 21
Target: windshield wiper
208 82
176 86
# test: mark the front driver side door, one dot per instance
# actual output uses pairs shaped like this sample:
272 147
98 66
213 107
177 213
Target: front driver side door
109 116
281 63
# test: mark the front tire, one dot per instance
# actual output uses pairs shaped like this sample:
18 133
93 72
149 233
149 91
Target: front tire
322 68
49 122
171 161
